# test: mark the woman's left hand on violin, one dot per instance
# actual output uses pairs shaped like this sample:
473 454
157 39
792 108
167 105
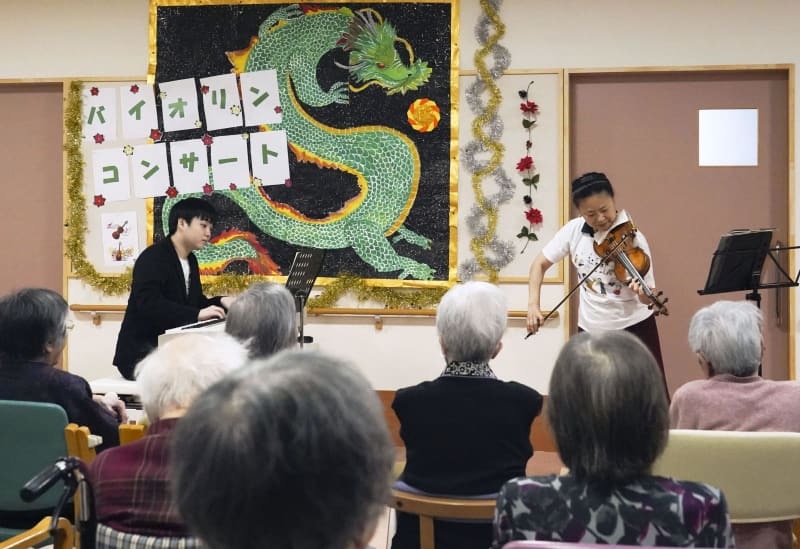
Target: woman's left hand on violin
637 288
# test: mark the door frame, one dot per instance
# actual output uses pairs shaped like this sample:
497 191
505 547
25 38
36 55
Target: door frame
570 316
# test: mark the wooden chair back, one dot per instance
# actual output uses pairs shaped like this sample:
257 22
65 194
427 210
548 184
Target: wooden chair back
131 432
34 537
77 439
429 508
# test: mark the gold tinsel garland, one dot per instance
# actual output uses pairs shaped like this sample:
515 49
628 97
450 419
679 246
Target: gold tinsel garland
215 285
75 241
478 244
393 298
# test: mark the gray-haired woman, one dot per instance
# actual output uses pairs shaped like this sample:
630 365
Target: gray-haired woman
466 432
33 333
288 452
608 413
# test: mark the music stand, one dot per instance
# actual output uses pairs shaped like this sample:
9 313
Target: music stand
738 262
302 274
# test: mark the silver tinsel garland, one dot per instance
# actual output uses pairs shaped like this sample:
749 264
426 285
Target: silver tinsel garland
499 253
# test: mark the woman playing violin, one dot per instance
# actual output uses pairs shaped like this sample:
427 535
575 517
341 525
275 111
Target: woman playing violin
606 302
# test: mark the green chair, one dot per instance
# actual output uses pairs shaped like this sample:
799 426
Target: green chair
32 435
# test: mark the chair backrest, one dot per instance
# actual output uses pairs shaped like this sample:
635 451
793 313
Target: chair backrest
33 438
108 538
429 508
757 471
61 538
130 432
77 439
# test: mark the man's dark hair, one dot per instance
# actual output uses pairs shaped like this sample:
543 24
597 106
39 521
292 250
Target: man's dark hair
188 209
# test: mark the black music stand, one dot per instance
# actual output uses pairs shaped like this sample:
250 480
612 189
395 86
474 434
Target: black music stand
302 274
738 262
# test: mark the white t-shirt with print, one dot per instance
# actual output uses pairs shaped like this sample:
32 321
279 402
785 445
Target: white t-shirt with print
605 302
186 270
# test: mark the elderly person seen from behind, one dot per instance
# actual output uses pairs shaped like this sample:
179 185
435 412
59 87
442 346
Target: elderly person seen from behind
726 337
465 432
33 333
264 318
290 452
131 482
609 417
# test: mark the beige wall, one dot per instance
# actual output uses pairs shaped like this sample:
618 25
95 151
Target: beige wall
106 38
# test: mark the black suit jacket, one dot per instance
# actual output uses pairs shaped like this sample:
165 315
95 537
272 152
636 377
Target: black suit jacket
158 302
464 436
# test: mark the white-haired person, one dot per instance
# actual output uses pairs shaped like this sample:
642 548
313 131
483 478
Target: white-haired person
609 416
264 318
726 337
465 432
131 482
289 452
33 333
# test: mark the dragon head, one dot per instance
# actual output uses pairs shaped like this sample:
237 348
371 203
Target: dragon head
374 59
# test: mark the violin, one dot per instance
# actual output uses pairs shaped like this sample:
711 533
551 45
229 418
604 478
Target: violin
120 229
630 262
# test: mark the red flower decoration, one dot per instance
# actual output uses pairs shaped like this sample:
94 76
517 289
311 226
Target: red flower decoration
232 186
207 140
94 90
288 182
204 89
99 200
534 216
155 134
208 188
529 107
171 191
278 109
135 88
525 163
99 138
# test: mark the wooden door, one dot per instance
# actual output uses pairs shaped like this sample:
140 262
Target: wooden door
641 129
31 218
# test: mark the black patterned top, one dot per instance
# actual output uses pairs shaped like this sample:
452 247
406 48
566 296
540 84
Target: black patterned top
468 369
654 511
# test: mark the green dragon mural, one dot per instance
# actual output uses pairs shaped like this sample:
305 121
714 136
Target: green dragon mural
384 161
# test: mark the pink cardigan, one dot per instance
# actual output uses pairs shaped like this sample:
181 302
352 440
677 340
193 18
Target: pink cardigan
729 403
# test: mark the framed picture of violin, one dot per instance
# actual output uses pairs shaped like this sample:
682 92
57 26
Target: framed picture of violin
532 134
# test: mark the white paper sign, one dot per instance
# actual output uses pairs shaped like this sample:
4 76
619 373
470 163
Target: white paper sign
120 242
229 162
179 108
189 162
728 137
111 174
260 98
270 157
150 170
221 102
138 109
99 114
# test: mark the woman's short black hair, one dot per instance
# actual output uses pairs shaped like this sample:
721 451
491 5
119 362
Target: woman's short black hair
189 208
30 319
589 184
607 407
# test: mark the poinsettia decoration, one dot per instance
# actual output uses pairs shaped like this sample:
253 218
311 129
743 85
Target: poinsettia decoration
527 168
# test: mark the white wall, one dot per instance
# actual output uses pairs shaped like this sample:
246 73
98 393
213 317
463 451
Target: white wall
108 38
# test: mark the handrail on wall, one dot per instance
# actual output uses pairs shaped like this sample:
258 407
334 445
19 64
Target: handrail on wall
96 312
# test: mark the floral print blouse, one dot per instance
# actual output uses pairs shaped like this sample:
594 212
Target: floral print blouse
653 511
